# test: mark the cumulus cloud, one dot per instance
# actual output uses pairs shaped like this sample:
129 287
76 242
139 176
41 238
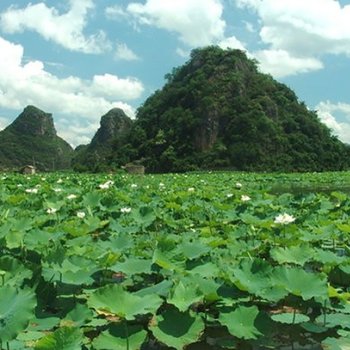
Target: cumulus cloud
3 123
231 43
280 63
78 132
299 32
115 12
64 29
327 110
197 22
22 84
123 52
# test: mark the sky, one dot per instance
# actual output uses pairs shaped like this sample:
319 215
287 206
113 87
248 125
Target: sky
77 59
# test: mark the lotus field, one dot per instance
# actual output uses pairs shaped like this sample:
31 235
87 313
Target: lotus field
178 261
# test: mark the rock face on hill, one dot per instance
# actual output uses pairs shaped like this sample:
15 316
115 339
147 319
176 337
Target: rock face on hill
97 156
218 111
32 139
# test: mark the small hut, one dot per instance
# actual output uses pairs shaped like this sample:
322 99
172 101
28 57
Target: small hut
134 168
28 170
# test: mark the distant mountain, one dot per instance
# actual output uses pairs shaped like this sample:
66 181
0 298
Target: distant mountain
32 139
218 111
97 156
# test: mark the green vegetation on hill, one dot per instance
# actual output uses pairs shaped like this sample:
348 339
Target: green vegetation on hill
97 156
32 139
218 111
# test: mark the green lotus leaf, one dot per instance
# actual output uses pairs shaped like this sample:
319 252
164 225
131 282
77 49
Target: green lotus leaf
300 283
134 266
114 299
290 318
345 268
208 287
327 257
120 337
79 315
73 270
162 260
314 328
241 322
16 310
177 329
209 270
336 343
298 255
65 338
334 320
14 272
92 199
255 277
162 289
184 295
193 250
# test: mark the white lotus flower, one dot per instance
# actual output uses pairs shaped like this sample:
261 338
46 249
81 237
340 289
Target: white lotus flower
71 196
81 214
245 198
32 190
125 210
51 210
284 219
106 185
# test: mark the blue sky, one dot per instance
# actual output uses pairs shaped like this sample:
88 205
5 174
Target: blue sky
79 58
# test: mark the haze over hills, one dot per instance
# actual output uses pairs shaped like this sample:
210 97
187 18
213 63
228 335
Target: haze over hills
32 139
217 111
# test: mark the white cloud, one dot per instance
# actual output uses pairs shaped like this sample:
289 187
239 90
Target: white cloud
3 123
125 53
109 85
78 132
22 84
249 27
183 53
231 43
280 63
301 32
326 111
197 22
115 12
64 29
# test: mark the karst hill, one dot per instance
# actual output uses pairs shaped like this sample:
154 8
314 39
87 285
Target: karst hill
217 111
32 139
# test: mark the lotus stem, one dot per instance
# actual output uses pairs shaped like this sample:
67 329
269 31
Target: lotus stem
294 315
127 335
